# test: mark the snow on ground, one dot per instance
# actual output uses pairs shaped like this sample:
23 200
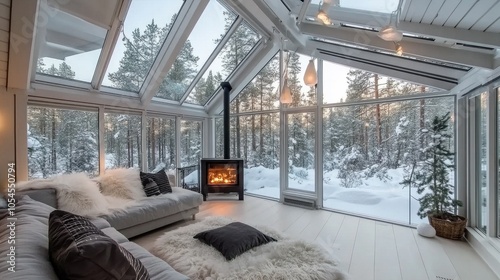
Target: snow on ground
373 198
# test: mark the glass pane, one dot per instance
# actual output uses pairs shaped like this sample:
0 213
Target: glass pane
191 143
482 152
256 139
301 151
122 139
369 150
232 54
262 92
144 31
210 28
70 46
344 84
62 141
302 95
161 144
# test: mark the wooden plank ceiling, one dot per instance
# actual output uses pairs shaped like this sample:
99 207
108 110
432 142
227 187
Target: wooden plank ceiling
479 15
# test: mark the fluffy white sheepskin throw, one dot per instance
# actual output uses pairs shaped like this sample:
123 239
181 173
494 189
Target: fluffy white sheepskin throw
122 183
287 259
77 193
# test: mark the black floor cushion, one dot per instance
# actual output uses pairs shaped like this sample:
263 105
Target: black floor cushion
234 239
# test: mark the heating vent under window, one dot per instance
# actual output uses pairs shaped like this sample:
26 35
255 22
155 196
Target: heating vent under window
300 202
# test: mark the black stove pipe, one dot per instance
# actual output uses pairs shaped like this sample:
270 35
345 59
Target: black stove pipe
226 86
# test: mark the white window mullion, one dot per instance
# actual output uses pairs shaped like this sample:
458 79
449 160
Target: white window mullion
491 166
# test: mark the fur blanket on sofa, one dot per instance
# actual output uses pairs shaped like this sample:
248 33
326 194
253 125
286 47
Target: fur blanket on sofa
116 190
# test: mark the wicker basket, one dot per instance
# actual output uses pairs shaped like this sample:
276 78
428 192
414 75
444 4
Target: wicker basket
449 229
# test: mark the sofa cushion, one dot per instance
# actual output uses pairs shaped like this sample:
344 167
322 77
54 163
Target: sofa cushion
161 180
157 268
154 207
32 243
79 250
150 186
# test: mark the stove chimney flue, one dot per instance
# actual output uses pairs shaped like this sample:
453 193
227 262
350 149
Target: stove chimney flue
226 86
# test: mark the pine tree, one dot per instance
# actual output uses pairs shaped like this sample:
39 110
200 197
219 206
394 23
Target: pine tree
430 176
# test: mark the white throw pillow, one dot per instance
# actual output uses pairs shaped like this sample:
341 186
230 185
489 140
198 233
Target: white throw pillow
122 183
78 194
426 230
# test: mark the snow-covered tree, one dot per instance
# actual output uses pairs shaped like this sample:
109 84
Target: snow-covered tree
431 175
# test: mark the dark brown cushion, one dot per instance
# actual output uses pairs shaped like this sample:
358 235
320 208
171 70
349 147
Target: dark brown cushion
79 250
233 239
160 179
150 187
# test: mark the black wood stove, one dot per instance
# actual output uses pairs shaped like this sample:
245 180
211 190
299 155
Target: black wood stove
222 175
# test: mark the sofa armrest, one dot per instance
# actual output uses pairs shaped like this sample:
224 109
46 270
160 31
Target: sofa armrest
47 196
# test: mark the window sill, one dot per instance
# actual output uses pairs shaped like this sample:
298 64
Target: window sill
487 248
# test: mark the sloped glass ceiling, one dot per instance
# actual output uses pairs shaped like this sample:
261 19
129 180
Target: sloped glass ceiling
237 47
145 28
211 27
69 47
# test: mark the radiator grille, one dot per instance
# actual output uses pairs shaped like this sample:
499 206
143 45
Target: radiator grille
305 203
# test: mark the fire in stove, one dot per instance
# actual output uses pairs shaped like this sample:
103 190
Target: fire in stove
222 174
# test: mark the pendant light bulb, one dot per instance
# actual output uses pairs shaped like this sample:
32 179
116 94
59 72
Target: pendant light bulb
286 94
310 76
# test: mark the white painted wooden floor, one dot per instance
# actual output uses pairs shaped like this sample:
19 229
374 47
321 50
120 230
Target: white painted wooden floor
366 249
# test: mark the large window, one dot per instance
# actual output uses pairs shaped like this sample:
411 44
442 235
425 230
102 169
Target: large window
362 85
301 135
261 93
302 95
370 149
161 143
122 140
256 139
191 142
62 141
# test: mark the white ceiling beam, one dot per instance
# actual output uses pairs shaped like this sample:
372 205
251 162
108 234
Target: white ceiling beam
85 97
410 46
186 20
473 37
284 22
378 20
243 75
385 65
23 26
110 43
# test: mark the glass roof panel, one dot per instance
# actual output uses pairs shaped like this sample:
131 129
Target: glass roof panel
69 46
210 28
381 6
262 93
232 54
145 28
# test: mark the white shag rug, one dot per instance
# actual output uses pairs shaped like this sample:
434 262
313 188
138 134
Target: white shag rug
286 259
